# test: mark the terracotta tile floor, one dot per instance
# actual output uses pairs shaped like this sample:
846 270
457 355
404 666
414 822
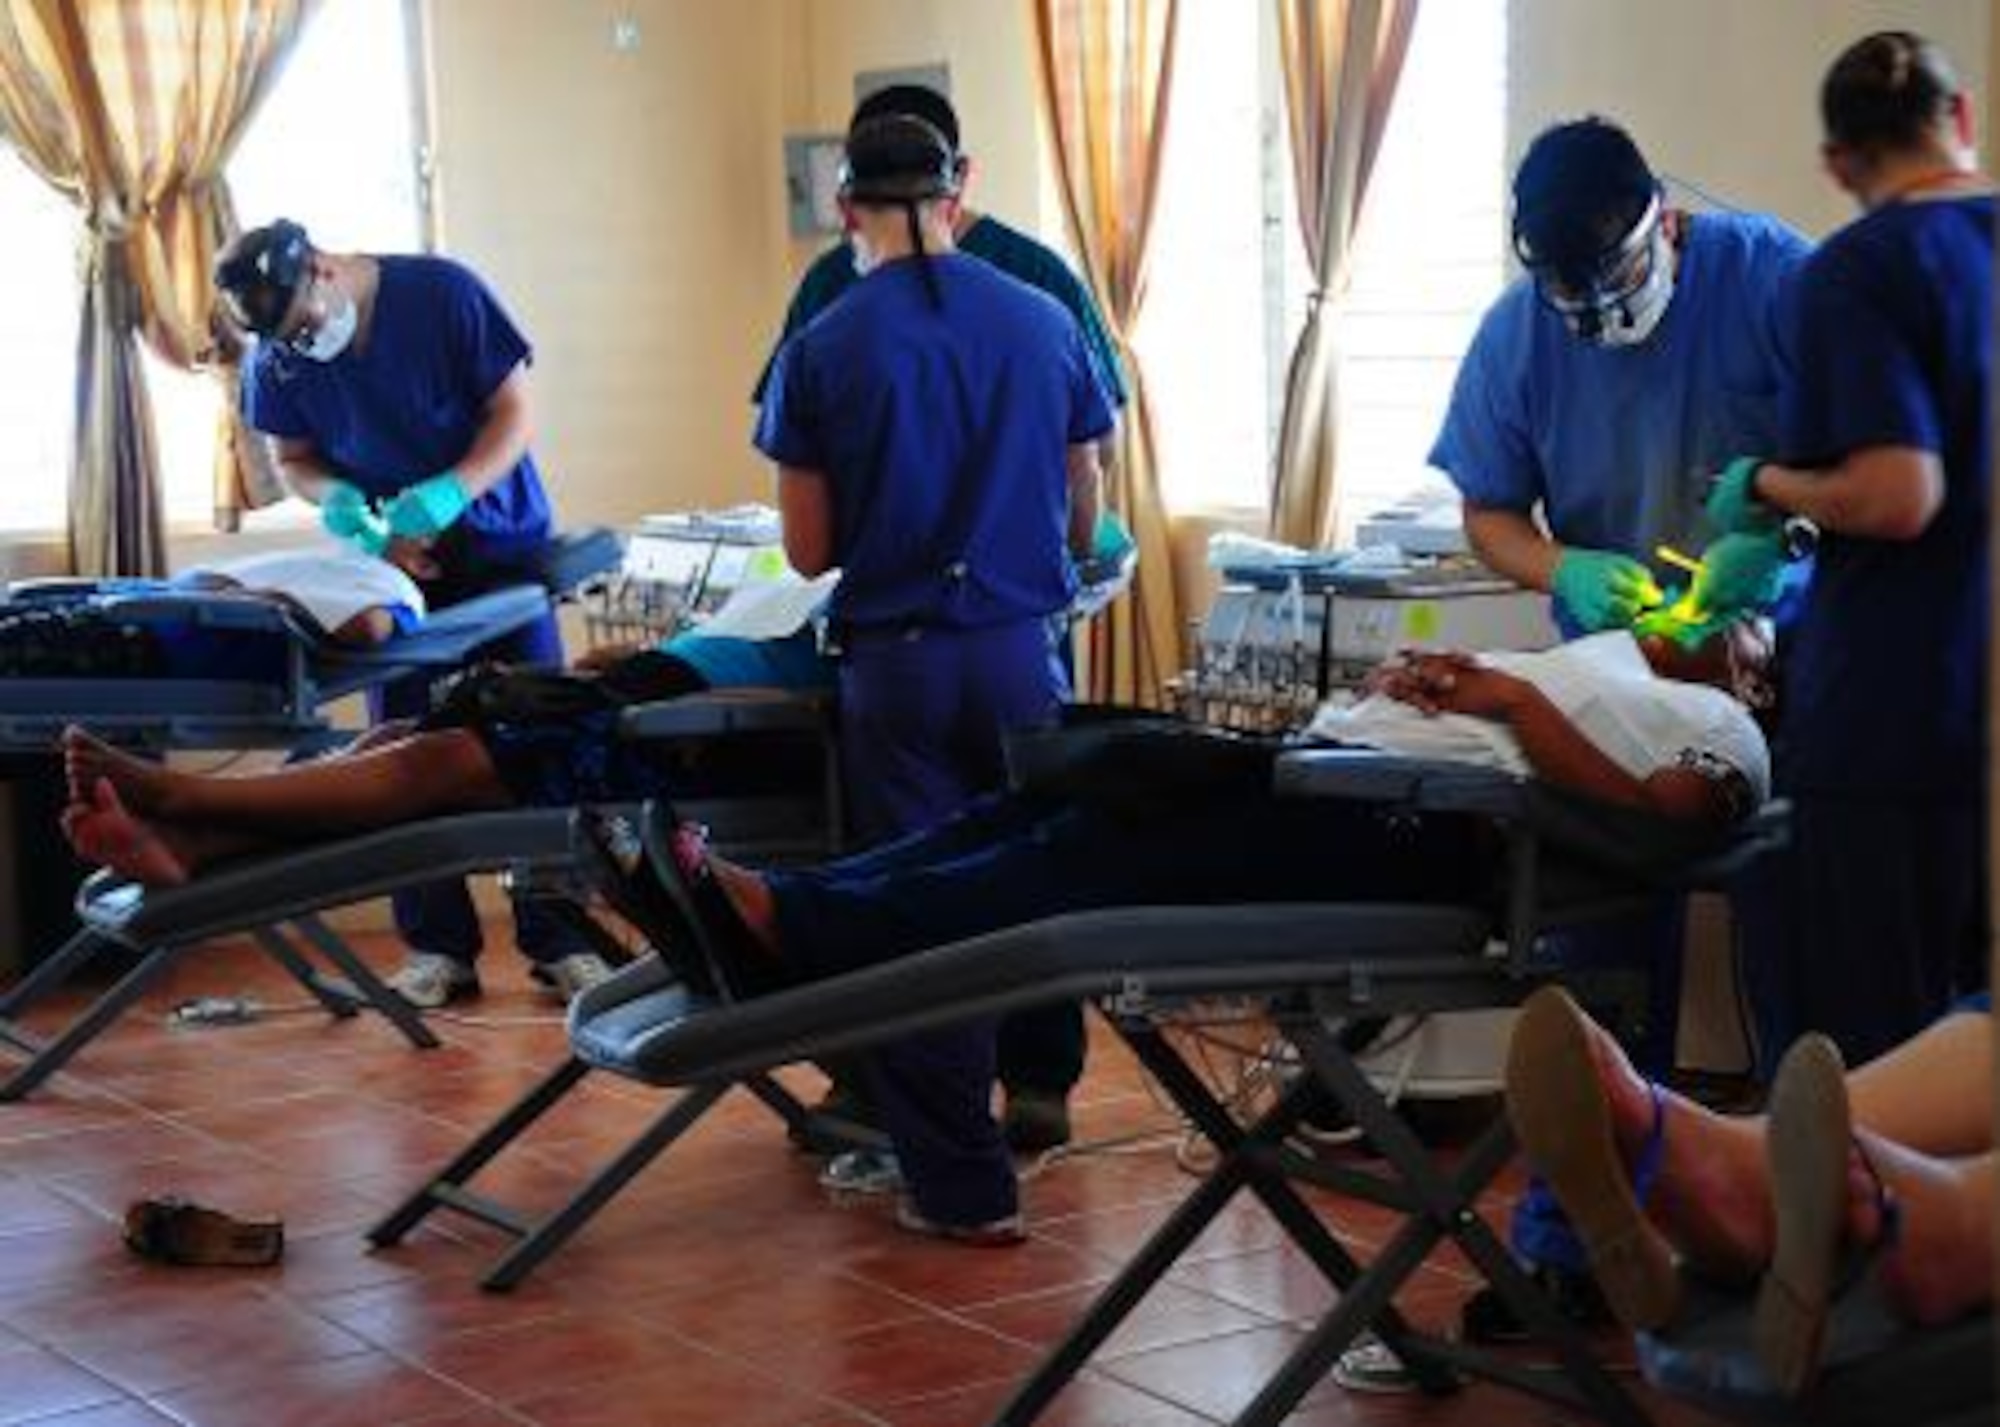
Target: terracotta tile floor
718 1289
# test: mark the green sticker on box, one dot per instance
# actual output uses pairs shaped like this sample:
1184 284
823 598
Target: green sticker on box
767 563
1420 621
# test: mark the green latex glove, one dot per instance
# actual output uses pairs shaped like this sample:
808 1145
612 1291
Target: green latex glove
1603 590
428 507
1111 540
1740 573
1732 500
347 515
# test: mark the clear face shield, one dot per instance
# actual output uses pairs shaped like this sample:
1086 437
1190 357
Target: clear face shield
1617 298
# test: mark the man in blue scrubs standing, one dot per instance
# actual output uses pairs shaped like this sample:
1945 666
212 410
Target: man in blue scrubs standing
936 435
1643 346
1879 915
395 390
1041 1051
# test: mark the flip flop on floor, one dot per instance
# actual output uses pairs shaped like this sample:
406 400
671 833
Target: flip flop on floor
1810 1137
1559 1114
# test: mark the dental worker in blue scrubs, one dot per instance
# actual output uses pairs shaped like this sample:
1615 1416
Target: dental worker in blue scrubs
1878 915
1643 345
395 391
935 432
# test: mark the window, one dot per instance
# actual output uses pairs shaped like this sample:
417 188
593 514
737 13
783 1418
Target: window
346 169
1228 284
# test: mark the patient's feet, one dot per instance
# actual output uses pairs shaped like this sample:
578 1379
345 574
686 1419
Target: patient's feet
88 760
104 831
1710 1195
1938 1267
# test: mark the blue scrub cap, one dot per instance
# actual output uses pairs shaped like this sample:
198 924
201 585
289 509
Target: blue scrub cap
260 274
899 158
1579 191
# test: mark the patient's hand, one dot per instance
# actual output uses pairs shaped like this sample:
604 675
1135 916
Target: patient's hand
1456 683
413 558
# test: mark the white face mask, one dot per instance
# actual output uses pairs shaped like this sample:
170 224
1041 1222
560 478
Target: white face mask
1635 318
334 331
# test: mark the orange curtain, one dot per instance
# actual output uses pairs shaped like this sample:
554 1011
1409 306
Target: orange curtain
1342 60
1106 72
131 108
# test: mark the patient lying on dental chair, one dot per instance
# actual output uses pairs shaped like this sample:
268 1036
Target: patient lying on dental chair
499 738
1184 817
1887 1167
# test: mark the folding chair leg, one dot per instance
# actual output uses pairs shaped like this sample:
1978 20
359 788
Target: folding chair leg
1448 1205
555 1230
398 1012
280 949
780 1101
51 1055
437 1192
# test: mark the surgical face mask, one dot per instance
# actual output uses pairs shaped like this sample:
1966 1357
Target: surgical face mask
329 337
1631 321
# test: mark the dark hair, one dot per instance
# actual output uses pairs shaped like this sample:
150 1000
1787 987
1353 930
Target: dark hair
1580 188
916 100
260 273
1886 91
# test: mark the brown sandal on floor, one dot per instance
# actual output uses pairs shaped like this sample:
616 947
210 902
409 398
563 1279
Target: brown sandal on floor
173 1231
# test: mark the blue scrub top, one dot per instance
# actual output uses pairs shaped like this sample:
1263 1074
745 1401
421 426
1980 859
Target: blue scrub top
409 406
1618 444
944 434
1884 676
832 276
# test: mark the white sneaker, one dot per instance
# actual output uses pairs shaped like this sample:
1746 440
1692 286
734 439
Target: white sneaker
429 980
862 1173
1370 1366
572 975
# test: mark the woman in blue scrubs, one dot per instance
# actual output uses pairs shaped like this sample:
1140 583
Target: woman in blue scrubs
395 391
935 434
1878 914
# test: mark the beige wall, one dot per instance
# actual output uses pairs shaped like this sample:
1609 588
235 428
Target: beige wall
1721 92
628 206
986 44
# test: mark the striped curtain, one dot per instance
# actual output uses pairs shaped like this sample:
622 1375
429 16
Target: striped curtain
1342 60
131 108
1106 71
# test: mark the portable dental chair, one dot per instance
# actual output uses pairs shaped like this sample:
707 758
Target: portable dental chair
1312 967
278 899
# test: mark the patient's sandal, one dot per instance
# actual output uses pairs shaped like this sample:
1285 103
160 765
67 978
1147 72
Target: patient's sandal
174 1231
1809 1141
624 877
1560 1115
678 853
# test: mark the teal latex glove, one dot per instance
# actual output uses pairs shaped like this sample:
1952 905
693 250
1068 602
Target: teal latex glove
1603 590
1740 573
1111 540
1732 500
428 507
347 515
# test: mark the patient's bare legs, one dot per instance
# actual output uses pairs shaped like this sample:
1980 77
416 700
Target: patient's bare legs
196 817
1921 1112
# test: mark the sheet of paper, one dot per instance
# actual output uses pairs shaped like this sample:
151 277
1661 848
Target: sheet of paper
769 609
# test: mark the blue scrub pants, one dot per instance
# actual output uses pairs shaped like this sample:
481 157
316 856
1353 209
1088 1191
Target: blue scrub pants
439 916
1869 923
922 716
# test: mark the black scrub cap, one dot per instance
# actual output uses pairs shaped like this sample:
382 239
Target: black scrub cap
919 101
260 274
1577 194
898 158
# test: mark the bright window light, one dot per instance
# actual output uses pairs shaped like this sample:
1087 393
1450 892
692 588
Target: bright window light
1228 285
39 234
334 148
